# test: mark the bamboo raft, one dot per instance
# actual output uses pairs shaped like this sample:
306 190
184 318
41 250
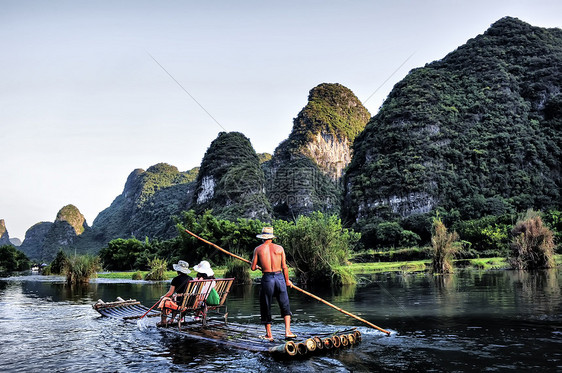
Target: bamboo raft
235 335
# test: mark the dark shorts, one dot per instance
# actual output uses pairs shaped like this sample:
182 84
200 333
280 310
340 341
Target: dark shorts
273 285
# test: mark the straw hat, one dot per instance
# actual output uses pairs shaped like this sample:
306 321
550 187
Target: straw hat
204 267
266 233
182 267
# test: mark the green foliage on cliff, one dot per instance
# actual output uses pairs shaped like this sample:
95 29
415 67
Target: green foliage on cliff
72 216
332 109
476 133
149 201
298 186
231 181
301 180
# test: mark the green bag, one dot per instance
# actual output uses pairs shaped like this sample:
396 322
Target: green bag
213 299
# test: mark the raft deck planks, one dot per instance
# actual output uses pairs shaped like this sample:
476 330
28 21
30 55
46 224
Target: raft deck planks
233 334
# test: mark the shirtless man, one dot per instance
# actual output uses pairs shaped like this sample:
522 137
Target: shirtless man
274 282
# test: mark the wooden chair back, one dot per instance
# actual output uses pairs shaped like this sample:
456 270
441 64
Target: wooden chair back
197 292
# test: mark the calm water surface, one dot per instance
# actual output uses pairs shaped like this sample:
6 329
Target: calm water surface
470 321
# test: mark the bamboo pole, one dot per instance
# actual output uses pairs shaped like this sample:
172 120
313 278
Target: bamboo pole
294 286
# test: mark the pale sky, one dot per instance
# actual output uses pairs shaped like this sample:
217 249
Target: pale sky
83 103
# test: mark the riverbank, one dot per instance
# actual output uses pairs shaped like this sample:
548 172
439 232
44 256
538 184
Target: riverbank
361 268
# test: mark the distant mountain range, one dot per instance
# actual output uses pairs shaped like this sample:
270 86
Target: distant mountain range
476 133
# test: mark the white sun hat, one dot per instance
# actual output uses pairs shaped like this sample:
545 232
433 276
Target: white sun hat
182 267
204 267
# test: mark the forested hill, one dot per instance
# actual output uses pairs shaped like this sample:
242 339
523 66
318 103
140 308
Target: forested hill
478 132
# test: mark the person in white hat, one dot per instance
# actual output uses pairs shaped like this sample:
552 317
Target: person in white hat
271 258
178 287
204 270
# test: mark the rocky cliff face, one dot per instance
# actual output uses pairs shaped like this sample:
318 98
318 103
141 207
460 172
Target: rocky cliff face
34 240
475 133
230 181
4 236
149 201
72 216
305 171
43 240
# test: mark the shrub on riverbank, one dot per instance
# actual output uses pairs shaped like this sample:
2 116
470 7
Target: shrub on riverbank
157 270
240 271
445 246
79 269
137 275
315 246
59 263
533 243
11 259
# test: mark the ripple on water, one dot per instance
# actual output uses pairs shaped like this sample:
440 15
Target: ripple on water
56 326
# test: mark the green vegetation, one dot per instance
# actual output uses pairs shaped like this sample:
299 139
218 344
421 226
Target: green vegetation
80 268
299 180
72 216
146 206
239 270
12 260
138 276
157 270
533 244
316 245
333 109
231 181
445 246
474 134
120 254
58 264
298 186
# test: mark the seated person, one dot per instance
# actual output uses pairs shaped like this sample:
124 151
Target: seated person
205 272
178 287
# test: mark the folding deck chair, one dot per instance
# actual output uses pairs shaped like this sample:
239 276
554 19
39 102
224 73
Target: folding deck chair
195 299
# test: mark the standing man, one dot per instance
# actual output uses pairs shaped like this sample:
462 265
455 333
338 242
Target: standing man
271 258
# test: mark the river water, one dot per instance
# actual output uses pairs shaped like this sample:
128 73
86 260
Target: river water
470 321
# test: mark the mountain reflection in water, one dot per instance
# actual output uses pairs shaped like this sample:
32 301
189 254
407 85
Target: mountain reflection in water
470 321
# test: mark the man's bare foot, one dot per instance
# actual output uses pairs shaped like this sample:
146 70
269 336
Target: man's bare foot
267 337
290 336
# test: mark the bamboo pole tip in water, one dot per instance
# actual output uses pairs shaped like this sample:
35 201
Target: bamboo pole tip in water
301 348
310 344
336 340
319 344
290 348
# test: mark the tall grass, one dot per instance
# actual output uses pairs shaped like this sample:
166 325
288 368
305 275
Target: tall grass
157 269
240 271
79 269
533 243
444 247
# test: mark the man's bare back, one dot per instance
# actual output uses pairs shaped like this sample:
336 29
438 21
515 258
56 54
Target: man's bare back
270 257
